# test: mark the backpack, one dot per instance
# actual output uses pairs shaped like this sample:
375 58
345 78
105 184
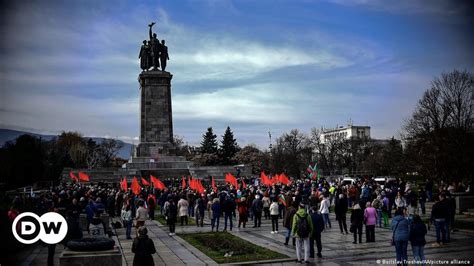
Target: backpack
303 226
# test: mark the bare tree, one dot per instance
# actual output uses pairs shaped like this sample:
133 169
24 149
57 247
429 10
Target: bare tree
440 132
292 153
108 150
448 103
329 154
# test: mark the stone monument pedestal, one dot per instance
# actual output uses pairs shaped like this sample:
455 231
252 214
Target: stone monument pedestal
111 257
156 121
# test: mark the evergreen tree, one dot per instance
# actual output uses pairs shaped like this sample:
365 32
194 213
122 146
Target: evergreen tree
228 148
209 142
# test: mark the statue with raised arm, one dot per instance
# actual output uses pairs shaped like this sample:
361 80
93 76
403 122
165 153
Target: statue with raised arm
154 48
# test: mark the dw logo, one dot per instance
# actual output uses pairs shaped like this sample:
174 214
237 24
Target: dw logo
28 228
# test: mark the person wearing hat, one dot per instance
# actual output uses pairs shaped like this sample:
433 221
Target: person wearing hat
143 247
242 209
302 229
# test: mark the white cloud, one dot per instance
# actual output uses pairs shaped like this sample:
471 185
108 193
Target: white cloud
263 103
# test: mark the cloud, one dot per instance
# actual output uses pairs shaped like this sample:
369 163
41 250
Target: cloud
252 104
92 117
437 8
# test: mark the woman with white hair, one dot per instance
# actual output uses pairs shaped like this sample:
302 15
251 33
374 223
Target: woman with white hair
340 209
357 219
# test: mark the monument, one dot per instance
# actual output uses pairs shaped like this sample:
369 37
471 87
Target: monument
156 153
156 120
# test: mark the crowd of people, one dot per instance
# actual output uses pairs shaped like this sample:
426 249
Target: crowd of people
304 209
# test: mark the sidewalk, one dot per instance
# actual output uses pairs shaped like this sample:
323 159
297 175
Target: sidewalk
337 248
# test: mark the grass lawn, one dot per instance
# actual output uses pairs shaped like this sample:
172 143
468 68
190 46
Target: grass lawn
216 245
161 219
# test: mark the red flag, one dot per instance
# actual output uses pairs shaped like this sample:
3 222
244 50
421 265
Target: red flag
213 184
244 186
229 178
192 183
275 179
83 177
284 179
135 186
144 182
73 176
123 184
264 179
200 187
183 183
157 183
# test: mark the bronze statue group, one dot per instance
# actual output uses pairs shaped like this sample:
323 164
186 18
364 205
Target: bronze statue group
153 53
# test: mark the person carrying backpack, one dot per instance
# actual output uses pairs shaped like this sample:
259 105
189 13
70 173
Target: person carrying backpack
302 229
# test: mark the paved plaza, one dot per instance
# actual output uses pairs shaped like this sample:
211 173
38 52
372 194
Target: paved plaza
337 248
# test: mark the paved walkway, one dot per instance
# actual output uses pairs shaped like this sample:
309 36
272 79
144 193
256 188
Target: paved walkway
337 248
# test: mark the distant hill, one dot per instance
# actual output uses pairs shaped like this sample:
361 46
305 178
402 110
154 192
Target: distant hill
10 135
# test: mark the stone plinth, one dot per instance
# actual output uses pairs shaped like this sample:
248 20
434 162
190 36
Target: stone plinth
111 257
156 121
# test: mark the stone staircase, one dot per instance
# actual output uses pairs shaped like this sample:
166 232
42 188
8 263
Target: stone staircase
469 212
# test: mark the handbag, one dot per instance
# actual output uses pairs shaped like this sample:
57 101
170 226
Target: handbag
352 228
392 241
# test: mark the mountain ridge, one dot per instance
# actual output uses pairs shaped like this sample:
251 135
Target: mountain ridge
11 135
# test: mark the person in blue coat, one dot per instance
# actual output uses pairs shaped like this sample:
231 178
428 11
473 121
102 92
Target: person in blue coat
216 214
401 234
417 239
318 227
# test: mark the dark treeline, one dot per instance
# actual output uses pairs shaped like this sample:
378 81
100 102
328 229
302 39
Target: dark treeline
29 159
437 142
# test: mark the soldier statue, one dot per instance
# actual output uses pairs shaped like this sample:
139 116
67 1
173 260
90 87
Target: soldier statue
163 55
153 52
155 48
144 56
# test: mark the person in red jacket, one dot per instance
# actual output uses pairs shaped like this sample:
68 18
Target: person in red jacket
151 200
242 209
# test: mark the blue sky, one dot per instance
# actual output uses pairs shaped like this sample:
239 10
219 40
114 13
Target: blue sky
256 66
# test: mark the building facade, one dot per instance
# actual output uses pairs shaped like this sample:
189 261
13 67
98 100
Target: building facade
347 132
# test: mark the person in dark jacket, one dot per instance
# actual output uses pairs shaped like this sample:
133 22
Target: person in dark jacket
287 222
439 214
417 239
228 208
341 211
357 220
318 227
171 216
201 207
257 208
143 247
216 214
401 235
451 204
